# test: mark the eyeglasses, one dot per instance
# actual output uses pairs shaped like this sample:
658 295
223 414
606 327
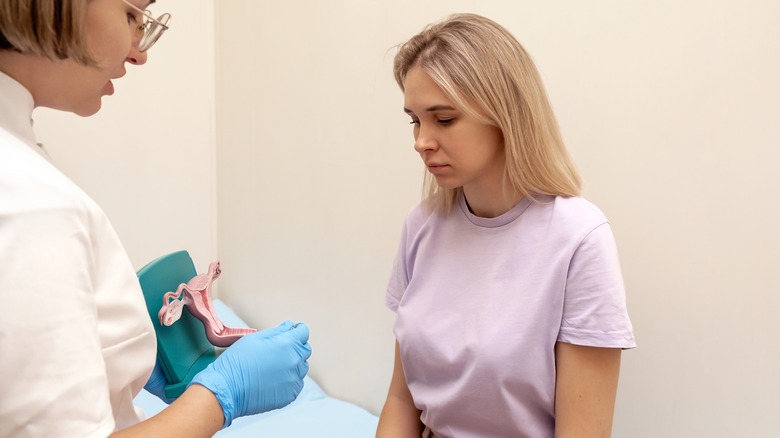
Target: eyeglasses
152 28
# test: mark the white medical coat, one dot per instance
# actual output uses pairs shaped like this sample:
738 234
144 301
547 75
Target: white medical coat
76 342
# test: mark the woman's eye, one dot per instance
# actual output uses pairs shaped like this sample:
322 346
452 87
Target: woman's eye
446 122
131 18
414 122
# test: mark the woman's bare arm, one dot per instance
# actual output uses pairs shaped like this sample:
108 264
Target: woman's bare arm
585 390
399 418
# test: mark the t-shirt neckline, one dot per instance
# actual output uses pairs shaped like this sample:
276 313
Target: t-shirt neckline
494 222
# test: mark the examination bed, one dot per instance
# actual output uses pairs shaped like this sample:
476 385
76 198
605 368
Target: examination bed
312 414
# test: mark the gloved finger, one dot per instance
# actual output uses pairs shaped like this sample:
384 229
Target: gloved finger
156 384
304 350
158 376
271 332
300 331
303 369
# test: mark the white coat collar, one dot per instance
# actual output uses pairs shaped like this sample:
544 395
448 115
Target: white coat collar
16 107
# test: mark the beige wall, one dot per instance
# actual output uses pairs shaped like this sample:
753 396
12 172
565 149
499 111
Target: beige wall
671 109
148 157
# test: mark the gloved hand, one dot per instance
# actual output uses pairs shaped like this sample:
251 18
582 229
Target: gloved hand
262 371
156 383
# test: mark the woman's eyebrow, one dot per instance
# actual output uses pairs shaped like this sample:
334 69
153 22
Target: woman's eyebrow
433 108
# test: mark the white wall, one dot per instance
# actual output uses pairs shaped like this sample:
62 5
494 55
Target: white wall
148 157
671 109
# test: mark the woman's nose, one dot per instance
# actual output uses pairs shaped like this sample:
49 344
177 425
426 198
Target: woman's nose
424 141
136 57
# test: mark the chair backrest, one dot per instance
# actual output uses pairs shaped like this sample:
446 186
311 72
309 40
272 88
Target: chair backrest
182 348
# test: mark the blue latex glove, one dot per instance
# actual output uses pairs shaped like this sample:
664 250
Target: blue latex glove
262 371
157 382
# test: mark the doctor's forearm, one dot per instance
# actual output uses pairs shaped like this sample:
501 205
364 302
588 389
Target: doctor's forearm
196 413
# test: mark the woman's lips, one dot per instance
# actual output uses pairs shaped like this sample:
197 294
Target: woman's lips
435 168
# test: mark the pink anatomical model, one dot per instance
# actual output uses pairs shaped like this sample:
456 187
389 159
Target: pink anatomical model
196 295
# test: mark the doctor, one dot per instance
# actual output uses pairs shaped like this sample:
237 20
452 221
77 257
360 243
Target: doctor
76 343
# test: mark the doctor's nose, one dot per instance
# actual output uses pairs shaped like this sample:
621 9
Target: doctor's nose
136 57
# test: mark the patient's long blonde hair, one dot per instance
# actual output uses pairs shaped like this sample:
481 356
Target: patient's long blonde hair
488 74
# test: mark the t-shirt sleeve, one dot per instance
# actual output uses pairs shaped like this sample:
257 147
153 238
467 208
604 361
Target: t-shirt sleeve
399 277
594 308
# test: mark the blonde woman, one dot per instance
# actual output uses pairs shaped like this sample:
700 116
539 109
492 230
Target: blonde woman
509 298
76 342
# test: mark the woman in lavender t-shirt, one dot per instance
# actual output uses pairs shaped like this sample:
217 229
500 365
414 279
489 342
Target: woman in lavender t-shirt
510 303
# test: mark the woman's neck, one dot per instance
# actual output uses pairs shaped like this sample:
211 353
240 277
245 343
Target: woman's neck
491 204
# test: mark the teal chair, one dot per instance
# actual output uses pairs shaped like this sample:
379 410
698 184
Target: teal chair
182 348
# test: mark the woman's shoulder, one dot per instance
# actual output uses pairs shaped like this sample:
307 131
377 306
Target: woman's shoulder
418 214
578 206
574 213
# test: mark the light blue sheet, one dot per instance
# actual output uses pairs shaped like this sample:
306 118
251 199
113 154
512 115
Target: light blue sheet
312 414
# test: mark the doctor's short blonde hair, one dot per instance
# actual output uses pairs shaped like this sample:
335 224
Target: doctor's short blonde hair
488 75
50 28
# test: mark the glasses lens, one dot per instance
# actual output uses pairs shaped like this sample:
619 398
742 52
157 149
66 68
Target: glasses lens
154 30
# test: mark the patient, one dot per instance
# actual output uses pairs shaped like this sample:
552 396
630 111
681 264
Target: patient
509 298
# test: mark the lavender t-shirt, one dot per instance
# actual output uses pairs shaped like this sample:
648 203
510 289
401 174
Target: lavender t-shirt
481 302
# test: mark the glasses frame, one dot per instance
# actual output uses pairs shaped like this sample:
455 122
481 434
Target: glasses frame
150 25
